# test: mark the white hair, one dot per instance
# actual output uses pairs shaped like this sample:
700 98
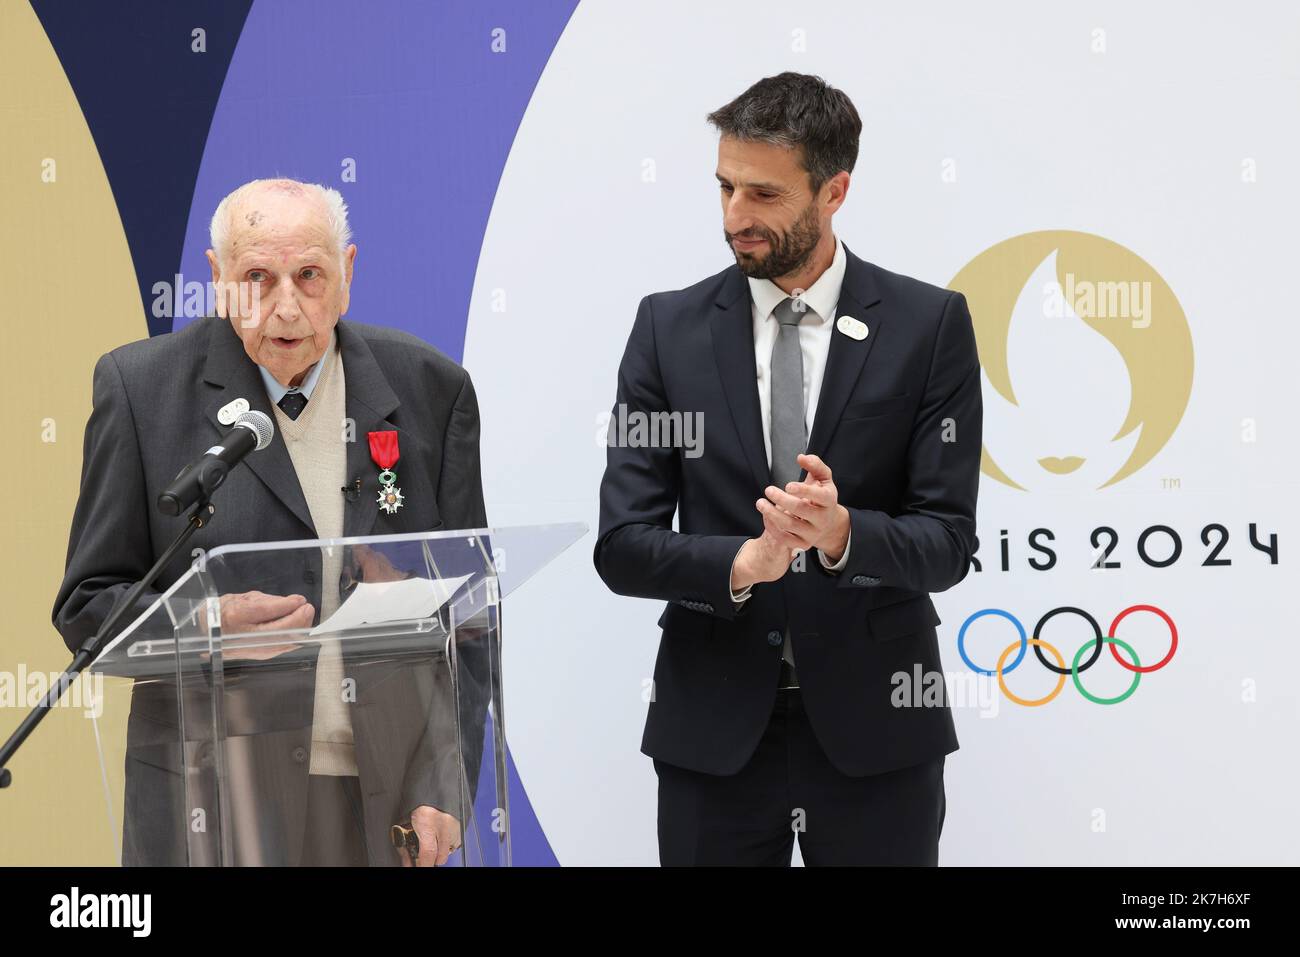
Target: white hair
336 213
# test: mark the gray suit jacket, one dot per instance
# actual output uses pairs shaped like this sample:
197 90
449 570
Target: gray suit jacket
155 409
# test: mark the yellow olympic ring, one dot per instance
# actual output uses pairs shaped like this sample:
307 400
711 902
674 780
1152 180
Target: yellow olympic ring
1060 662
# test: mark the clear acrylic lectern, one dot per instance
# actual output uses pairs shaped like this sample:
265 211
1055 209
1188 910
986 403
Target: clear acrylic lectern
216 721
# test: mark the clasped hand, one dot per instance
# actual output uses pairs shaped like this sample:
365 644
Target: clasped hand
801 516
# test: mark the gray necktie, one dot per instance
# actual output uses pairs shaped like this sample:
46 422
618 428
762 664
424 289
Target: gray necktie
789 431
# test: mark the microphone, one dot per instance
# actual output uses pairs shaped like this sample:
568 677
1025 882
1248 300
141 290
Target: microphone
251 432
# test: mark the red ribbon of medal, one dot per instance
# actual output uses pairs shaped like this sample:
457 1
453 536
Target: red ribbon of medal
384 451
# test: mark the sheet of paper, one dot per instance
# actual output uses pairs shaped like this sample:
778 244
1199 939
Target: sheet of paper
373 603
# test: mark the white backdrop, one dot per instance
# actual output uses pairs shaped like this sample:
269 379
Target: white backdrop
1168 129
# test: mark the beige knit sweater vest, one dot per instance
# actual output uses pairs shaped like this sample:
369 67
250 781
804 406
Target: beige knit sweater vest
316 445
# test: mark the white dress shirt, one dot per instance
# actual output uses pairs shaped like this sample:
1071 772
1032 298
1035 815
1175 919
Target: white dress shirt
815 331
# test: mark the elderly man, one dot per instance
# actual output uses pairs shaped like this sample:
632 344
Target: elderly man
357 766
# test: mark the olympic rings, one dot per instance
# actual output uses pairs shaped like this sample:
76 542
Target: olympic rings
1077 666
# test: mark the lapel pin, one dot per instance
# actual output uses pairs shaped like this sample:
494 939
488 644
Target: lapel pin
231 411
852 327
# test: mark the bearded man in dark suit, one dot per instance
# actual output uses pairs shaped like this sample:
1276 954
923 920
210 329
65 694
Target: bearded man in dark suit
796 596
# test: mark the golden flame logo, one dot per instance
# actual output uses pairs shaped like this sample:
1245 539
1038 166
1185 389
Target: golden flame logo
1074 316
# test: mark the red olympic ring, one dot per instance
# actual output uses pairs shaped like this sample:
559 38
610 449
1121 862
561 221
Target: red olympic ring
1173 636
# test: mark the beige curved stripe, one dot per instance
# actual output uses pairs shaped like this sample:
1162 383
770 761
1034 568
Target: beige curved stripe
67 295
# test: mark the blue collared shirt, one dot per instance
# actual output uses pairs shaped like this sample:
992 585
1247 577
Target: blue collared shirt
276 392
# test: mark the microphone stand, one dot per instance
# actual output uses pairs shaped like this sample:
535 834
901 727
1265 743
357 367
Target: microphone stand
201 516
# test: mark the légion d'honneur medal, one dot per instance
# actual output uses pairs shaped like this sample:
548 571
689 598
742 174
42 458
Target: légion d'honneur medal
383 449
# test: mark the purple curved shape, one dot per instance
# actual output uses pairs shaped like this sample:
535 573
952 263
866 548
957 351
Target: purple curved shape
414 94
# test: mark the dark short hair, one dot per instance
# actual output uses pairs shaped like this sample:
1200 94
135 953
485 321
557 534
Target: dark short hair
797 110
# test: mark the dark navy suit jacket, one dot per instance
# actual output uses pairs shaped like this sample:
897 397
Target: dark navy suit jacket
899 423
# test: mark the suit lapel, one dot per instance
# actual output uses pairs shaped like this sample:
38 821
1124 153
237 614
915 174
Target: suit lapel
370 400
731 328
847 356
236 376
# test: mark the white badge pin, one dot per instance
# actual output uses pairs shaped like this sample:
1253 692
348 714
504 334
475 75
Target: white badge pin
231 411
852 328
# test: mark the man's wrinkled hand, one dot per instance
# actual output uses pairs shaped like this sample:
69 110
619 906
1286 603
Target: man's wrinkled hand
245 614
375 566
439 834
